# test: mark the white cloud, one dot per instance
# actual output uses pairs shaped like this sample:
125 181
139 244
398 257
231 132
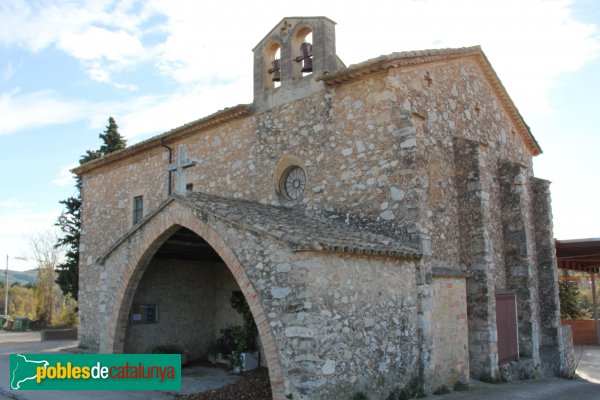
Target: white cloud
21 111
186 105
11 204
98 72
137 116
30 110
64 176
202 41
37 25
7 72
103 52
108 34
94 43
530 43
205 48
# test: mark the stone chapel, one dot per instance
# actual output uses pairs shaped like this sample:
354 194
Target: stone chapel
382 220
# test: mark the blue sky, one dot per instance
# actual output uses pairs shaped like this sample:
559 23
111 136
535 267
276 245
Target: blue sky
66 66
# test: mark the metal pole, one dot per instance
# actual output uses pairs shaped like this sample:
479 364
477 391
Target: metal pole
6 288
595 301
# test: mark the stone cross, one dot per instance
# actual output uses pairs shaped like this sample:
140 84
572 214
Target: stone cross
182 163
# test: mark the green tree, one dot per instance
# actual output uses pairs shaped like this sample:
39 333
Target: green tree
112 139
69 221
570 304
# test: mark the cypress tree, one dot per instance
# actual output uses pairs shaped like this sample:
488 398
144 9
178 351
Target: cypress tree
69 220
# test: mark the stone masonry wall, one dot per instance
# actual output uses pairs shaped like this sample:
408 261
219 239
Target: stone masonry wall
546 259
451 331
378 154
473 187
552 353
327 314
454 101
519 255
569 364
357 143
330 317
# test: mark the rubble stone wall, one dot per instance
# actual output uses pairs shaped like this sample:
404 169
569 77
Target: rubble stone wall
414 153
325 320
192 299
519 255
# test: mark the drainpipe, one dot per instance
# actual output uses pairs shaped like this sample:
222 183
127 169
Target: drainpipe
170 161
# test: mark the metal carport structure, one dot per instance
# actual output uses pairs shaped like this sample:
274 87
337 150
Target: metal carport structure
582 255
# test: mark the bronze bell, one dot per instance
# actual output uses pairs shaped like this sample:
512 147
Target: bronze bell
306 54
275 70
307 65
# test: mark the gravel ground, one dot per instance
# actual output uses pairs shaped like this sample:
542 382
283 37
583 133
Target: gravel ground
254 385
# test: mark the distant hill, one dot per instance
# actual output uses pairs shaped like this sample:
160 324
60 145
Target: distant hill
23 277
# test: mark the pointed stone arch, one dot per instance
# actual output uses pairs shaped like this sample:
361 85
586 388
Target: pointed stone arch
142 246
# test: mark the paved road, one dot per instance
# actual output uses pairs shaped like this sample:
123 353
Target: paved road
589 363
538 389
585 386
196 381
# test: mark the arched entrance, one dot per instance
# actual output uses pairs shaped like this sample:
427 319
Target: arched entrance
150 248
183 300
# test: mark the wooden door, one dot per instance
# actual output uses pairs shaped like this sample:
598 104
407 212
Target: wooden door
506 322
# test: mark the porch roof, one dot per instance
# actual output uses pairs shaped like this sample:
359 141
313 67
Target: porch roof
579 254
296 228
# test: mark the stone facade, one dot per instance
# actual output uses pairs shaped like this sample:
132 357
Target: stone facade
414 163
204 288
569 365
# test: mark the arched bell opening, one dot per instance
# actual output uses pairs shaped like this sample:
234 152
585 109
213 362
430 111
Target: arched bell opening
302 53
272 66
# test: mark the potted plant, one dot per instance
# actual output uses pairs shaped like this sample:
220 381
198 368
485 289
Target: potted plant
245 356
221 350
236 345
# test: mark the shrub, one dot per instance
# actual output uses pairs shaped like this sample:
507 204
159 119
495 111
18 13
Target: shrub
460 386
441 391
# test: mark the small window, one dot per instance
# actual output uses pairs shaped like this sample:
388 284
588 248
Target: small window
144 313
138 209
189 187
